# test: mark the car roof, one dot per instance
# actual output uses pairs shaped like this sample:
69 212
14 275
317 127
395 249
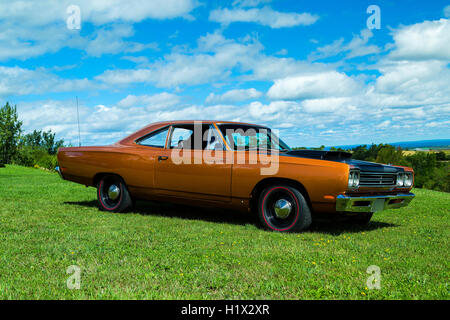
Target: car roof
204 121
161 124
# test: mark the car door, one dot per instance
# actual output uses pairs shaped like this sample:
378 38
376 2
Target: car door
142 170
184 168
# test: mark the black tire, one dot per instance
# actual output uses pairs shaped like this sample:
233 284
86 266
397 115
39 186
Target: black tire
270 202
362 218
119 200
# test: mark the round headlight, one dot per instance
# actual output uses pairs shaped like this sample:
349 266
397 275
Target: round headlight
408 179
355 179
400 179
350 179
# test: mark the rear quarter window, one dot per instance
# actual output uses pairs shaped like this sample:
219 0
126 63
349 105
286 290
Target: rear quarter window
156 139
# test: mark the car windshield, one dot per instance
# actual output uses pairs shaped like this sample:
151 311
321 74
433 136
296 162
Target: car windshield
247 137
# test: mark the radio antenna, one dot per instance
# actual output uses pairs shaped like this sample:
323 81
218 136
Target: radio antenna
78 118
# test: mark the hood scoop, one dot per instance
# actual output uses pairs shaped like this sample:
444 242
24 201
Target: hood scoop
321 154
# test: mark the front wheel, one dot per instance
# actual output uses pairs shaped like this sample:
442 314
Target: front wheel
113 195
283 208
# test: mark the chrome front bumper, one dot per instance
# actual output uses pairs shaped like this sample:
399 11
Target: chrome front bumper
372 203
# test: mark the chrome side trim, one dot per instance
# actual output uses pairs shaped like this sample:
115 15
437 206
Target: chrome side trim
59 172
372 203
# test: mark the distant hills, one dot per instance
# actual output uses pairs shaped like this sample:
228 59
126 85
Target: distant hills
438 143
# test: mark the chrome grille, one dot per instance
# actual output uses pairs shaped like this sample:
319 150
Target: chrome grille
377 179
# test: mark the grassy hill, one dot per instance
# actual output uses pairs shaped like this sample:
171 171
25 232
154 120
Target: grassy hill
162 251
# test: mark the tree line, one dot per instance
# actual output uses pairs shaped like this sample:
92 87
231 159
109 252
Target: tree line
36 149
39 148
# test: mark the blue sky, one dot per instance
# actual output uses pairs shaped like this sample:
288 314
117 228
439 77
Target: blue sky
311 69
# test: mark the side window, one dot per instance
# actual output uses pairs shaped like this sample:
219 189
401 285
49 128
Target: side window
181 138
214 140
157 139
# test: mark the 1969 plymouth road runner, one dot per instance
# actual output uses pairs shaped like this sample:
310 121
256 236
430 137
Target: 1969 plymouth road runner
235 165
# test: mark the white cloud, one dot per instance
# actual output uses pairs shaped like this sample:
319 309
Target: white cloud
21 41
178 69
383 125
409 83
275 110
357 47
316 85
103 124
328 132
29 28
140 60
325 105
329 50
125 76
234 96
100 124
99 12
20 81
151 102
267 68
282 52
423 41
58 116
105 11
447 11
249 3
265 16
436 124
213 60
110 40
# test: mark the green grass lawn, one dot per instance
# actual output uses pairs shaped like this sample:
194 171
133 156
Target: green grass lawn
163 251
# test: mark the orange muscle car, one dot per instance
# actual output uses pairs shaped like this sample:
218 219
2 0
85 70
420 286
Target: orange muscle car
236 165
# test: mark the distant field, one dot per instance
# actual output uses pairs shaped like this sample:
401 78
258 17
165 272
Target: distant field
411 152
164 251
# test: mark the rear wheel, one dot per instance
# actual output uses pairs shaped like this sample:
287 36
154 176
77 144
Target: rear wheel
283 208
113 195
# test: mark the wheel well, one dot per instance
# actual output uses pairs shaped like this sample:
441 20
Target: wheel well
100 175
260 186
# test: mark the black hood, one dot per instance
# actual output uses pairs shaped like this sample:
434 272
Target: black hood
320 154
345 157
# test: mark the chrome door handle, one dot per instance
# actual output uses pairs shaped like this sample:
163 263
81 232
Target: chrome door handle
161 158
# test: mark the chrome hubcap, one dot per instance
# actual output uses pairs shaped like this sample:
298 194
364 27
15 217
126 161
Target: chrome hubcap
282 208
113 192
